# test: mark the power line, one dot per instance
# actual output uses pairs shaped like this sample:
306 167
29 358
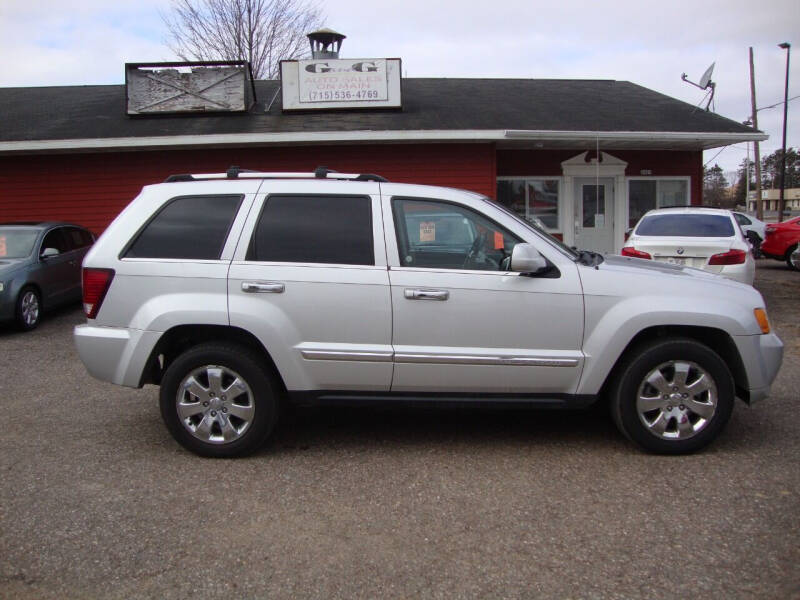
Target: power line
778 103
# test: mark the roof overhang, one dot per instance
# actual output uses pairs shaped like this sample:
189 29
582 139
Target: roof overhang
504 138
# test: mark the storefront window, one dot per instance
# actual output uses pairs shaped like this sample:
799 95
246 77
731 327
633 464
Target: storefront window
531 199
647 194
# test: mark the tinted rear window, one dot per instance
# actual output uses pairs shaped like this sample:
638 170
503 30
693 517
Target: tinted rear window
314 229
192 227
683 225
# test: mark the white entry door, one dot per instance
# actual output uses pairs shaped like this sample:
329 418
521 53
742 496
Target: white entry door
594 218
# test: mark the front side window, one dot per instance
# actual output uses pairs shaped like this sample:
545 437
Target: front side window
56 239
314 229
531 199
190 227
438 234
648 194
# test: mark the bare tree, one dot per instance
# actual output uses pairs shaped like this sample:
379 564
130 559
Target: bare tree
263 32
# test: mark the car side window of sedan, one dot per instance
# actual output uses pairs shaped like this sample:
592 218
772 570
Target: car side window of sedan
444 235
56 239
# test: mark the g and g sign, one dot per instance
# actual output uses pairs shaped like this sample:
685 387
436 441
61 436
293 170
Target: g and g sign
341 83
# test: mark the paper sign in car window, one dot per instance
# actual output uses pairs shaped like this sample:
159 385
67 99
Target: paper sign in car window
498 241
3 250
427 231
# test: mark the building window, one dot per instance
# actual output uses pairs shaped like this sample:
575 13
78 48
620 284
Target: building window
531 199
648 193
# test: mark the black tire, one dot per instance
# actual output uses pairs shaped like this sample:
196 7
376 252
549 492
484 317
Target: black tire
28 311
755 241
788 257
685 431
218 416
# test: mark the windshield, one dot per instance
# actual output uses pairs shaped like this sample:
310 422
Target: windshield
685 225
536 226
16 242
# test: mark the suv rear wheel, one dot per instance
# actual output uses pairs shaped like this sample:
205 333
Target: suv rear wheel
672 396
216 400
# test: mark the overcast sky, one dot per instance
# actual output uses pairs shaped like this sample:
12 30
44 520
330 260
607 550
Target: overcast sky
77 42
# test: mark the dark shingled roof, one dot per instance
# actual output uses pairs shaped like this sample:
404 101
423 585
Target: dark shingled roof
86 112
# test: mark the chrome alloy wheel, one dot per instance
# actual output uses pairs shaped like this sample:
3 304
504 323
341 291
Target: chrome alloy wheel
676 400
215 404
29 307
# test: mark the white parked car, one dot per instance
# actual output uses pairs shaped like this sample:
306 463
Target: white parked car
754 230
699 237
238 292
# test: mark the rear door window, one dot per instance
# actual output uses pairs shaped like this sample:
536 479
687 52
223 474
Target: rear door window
686 225
314 229
190 227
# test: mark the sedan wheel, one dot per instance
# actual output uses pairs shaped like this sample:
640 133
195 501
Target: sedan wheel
793 258
28 309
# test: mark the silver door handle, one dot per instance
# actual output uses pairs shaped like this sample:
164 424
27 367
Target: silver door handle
427 294
257 287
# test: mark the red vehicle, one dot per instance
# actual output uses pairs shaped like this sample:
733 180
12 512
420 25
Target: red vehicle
781 240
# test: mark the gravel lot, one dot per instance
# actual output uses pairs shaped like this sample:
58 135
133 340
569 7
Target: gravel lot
96 499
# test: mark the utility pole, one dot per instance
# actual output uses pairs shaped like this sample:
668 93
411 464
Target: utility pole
781 202
756 150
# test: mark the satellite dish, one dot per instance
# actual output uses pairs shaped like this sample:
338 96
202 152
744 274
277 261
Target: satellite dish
705 84
706 78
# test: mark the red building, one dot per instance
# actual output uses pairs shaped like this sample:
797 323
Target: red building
587 157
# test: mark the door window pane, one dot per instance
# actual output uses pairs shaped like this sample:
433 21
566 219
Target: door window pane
594 205
191 227
438 234
314 229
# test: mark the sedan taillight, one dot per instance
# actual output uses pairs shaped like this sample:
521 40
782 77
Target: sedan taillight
95 286
732 257
631 251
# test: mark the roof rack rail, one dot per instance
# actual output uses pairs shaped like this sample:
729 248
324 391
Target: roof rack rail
240 173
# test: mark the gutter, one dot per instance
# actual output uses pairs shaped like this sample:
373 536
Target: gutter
705 139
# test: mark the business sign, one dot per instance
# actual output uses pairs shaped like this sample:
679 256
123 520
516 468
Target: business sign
341 83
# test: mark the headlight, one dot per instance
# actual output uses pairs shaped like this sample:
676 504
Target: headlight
1 286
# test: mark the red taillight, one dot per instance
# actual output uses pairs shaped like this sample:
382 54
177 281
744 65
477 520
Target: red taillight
732 257
95 285
631 251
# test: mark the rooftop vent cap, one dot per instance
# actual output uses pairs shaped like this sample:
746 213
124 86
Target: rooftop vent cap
325 43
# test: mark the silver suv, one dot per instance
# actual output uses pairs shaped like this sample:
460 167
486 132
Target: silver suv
239 291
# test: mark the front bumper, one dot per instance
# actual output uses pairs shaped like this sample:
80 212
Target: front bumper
762 356
116 355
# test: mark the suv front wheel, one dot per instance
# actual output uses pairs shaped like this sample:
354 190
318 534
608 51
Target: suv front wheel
217 401
672 396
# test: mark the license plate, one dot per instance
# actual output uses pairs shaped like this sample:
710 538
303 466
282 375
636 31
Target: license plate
673 260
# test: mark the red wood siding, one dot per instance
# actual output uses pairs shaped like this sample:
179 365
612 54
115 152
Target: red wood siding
91 189
659 162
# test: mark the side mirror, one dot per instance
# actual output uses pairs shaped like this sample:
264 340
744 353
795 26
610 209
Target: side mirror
48 253
628 233
527 260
